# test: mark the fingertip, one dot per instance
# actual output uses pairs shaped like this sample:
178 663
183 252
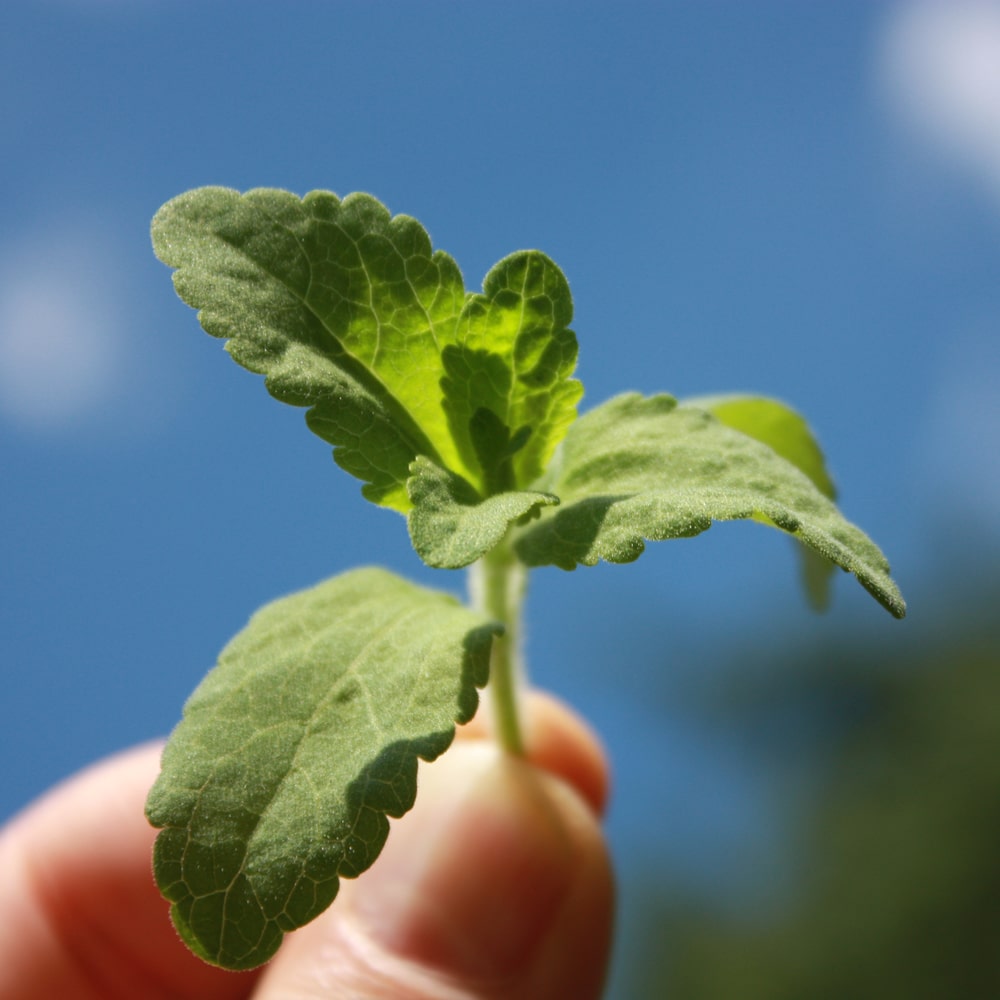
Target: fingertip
498 883
559 741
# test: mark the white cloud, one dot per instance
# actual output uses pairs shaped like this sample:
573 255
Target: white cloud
61 340
940 66
939 63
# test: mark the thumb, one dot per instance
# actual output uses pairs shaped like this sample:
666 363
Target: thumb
496 884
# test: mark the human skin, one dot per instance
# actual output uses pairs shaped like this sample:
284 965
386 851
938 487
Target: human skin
496 884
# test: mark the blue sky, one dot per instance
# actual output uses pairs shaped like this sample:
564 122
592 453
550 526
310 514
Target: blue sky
801 200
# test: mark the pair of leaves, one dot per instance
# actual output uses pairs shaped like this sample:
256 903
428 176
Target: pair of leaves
449 405
351 313
638 468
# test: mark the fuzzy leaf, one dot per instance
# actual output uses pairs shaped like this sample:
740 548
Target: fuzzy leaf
297 746
787 432
450 526
640 468
510 395
775 424
343 309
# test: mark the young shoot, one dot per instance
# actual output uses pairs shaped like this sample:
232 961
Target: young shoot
457 410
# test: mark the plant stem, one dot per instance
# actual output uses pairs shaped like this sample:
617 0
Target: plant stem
497 583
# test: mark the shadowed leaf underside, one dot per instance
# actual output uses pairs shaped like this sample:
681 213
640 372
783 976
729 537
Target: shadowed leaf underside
638 468
296 748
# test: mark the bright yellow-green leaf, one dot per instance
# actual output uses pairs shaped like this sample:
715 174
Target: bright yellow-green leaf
343 308
509 389
350 312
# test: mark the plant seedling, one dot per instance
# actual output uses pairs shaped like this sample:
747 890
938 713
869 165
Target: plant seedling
458 411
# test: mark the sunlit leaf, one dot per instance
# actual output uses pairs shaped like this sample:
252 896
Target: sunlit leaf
509 389
343 309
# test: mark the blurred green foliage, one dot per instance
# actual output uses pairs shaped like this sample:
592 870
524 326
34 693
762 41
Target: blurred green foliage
897 860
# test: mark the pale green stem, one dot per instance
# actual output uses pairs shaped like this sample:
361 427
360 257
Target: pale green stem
497 583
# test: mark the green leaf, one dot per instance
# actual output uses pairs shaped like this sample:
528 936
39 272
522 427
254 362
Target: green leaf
510 397
640 468
343 309
450 526
787 432
298 745
775 424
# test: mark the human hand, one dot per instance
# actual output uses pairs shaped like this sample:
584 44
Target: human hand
497 884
